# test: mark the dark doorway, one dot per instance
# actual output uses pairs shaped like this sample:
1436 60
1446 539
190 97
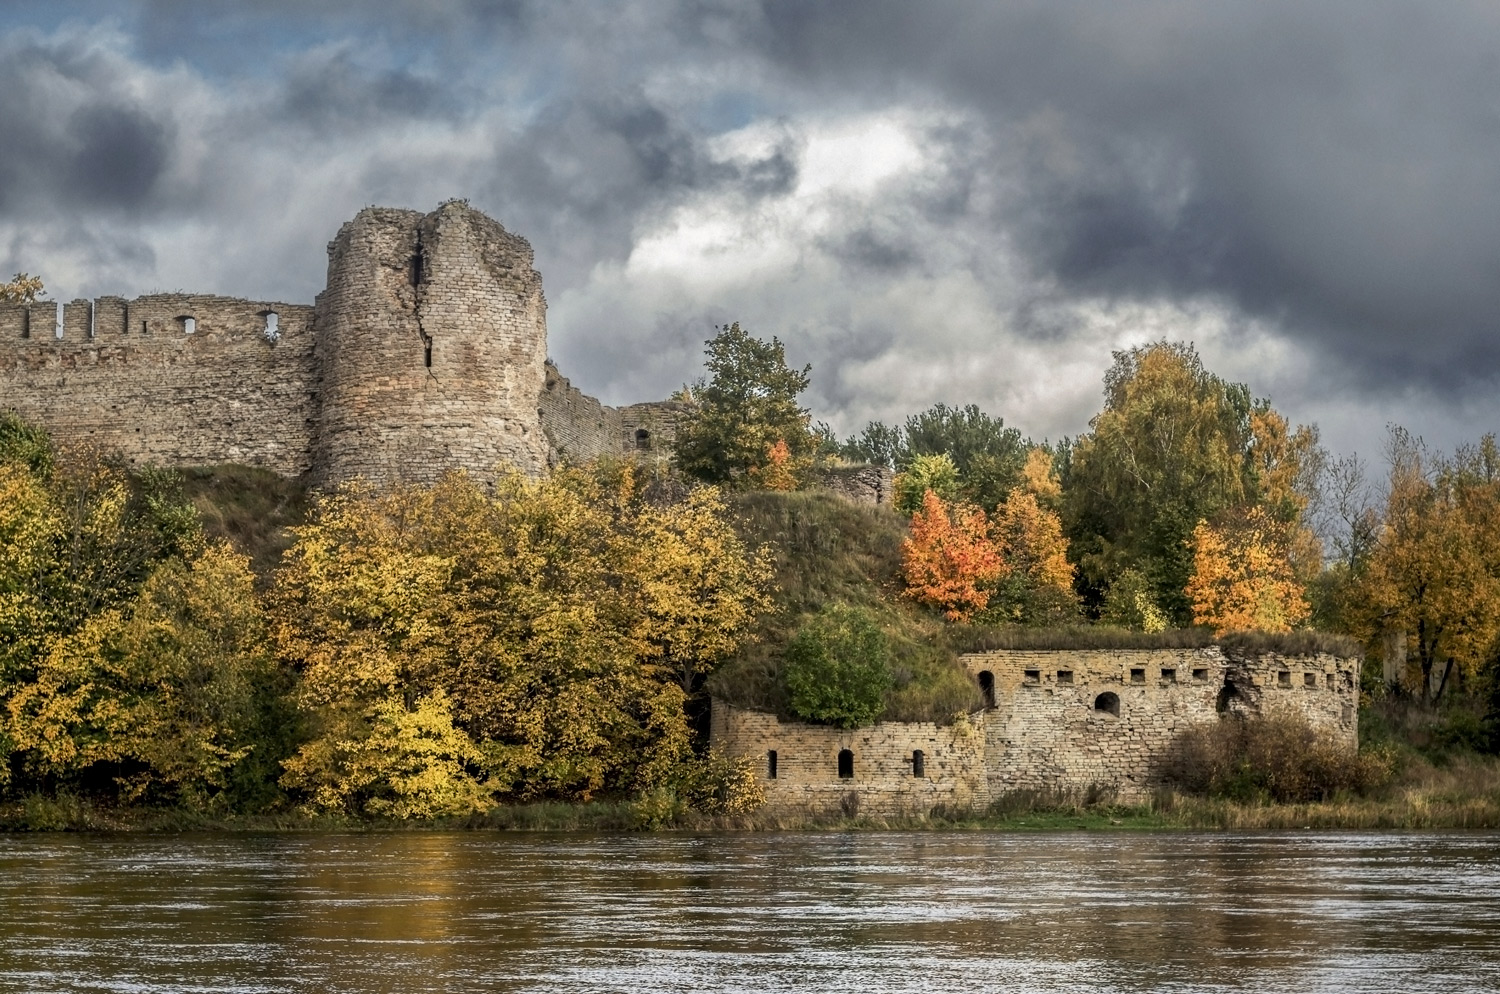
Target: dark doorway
846 764
987 687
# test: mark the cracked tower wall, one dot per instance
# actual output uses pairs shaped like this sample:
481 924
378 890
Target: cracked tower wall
431 339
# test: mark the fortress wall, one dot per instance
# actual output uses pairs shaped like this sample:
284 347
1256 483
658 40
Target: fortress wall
807 761
145 388
1047 732
860 484
578 427
658 419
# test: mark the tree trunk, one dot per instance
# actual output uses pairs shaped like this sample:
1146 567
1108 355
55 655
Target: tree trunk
1393 662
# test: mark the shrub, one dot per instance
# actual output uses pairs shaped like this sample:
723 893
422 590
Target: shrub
1278 757
837 668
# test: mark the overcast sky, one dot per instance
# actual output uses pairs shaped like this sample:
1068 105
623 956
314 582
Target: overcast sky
959 202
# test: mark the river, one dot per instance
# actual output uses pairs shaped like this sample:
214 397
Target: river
868 912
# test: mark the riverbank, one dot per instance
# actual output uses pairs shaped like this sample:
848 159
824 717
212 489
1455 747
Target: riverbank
1463 793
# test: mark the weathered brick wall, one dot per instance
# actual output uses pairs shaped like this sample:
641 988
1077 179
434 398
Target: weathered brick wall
432 335
1062 721
127 375
807 761
1049 729
578 427
860 484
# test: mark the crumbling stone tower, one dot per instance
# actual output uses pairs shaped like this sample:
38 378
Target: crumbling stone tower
431 340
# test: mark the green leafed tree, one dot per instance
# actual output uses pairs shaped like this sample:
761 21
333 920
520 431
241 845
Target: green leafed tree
747 404
837 668
1174 445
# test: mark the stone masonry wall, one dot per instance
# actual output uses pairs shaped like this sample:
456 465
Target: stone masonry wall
807 761
578 427
432 335
1053 727
1064 722
128 375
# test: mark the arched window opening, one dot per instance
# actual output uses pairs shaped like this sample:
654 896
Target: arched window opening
1108 702
642 439
771 764
987 687
918 763
1227 693
846 764
189 324
272 330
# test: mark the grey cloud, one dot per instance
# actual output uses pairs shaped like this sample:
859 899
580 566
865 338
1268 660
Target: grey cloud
1333 167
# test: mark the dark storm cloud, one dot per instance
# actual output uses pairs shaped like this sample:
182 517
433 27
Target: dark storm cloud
72 137
332 91
1334 167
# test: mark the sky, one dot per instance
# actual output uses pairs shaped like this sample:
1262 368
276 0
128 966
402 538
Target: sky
965 202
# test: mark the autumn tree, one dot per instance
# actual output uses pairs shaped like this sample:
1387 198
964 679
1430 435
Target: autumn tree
1243 575
166 697
926 474
1174 445
1434 572
748 403
949 561
778 470
22 289
1036 587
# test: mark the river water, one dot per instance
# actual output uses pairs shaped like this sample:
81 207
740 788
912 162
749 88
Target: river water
864 912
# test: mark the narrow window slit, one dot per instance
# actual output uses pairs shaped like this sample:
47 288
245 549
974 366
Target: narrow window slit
918 763
771 764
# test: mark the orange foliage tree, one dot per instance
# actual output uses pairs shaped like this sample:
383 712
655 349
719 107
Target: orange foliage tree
949 561
1243 575
780 470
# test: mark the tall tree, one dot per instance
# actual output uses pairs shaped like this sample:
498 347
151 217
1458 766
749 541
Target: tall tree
950 562
745 407
1174 445
1434 573
1243 575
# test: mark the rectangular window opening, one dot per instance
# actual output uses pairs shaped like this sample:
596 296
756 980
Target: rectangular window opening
1284 679
918 763
1033 676
1169 675
1310 679
1138 674
428 352
1200 676
771 764
1064 676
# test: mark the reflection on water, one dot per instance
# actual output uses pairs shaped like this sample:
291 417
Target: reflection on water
866 913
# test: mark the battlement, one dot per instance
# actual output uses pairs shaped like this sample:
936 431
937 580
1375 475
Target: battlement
424 354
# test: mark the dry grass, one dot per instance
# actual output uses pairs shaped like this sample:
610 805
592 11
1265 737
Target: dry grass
1304 643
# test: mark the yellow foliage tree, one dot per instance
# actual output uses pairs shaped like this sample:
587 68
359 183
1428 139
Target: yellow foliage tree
1243 577
394 762
559 617
163 692
1037 584
22 289
1434 572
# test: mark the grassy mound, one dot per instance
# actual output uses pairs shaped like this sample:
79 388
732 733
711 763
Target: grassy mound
250 507
828 550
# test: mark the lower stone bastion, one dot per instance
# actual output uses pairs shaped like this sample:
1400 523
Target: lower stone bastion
1071 723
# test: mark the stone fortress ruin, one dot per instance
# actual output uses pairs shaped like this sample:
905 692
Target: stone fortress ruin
427 352
1067 722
